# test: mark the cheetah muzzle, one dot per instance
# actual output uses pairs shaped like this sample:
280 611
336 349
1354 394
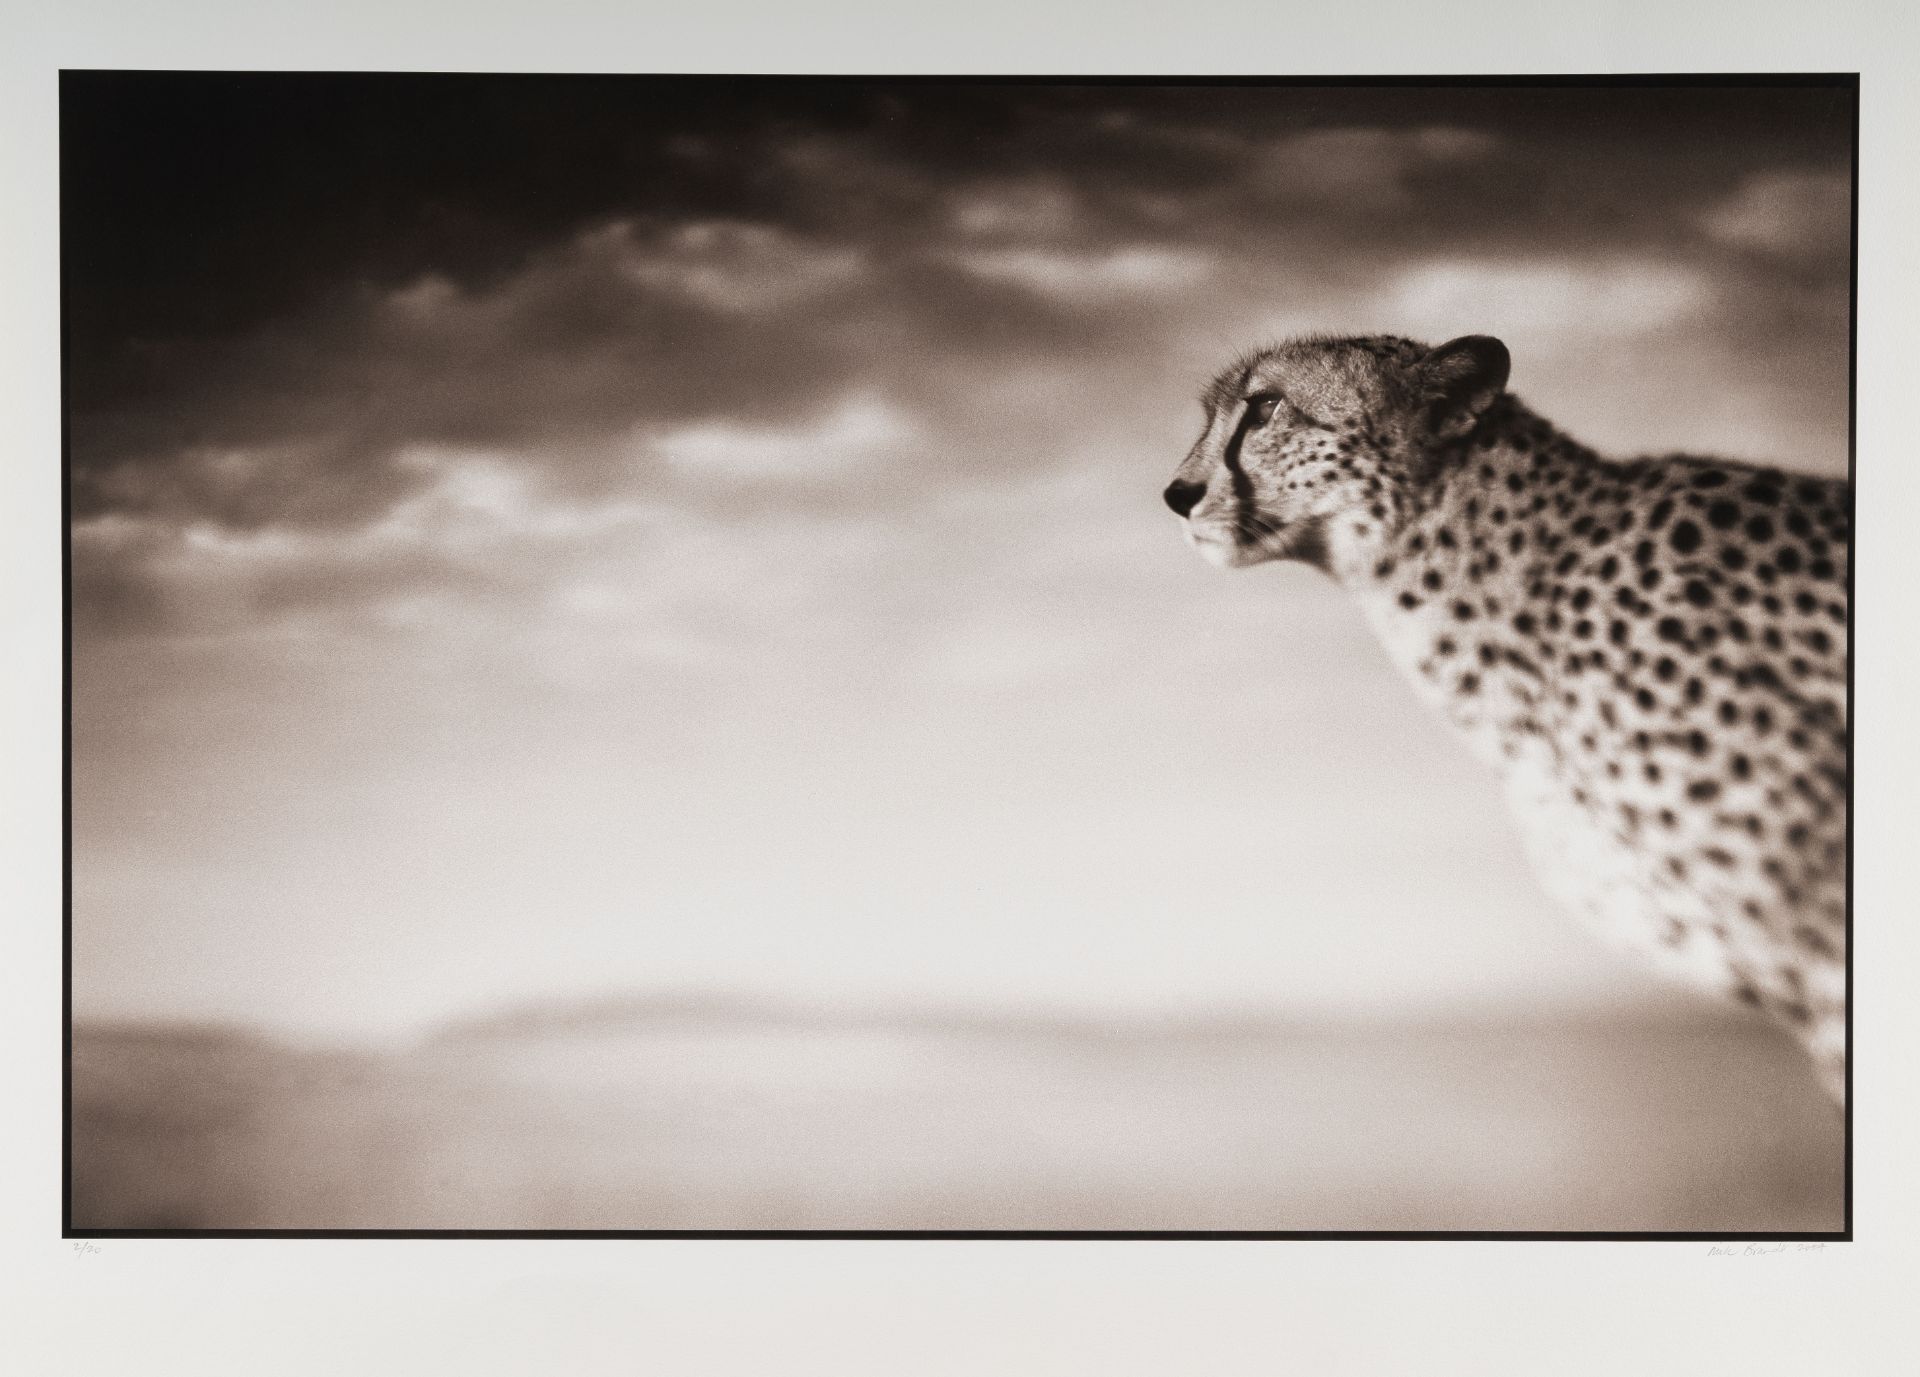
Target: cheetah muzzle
1653 652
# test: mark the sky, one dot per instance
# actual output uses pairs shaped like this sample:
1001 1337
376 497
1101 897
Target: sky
542 536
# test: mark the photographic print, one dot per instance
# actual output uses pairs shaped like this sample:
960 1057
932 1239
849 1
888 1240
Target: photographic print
904 656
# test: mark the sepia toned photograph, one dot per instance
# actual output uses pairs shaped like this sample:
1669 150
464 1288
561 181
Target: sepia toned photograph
906 656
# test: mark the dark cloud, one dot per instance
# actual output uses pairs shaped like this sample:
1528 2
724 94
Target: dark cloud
206 203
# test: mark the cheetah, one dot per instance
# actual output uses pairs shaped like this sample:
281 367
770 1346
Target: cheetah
1651 652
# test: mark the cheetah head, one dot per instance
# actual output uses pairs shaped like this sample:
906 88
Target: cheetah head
1312 449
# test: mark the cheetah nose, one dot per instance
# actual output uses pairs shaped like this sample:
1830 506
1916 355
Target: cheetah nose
1184 497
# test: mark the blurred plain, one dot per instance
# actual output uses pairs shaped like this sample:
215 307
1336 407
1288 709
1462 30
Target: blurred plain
704 1118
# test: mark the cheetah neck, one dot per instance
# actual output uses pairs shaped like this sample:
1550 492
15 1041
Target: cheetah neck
1467 557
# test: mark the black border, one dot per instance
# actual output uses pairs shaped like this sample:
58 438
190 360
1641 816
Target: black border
992 1235
66 718
1853 533
1841 81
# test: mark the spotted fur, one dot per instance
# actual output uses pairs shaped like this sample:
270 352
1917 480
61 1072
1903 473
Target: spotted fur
1652 652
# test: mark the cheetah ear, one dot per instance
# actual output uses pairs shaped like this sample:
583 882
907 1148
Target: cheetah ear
1460 380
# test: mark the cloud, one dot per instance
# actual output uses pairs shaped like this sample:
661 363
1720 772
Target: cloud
1362 167
823 179
1789 214
1559 300
1355 166
478 530
478 497
859 429
1089 277
730 265
306 420
1035 208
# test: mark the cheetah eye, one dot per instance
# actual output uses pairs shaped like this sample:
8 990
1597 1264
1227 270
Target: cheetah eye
1261 406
